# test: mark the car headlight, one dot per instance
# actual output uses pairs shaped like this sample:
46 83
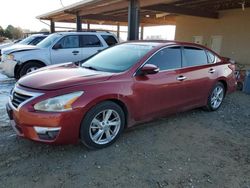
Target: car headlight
58 104
10 57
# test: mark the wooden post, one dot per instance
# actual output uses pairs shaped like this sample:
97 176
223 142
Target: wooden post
78 23
118 31
52 26
142 32
133 19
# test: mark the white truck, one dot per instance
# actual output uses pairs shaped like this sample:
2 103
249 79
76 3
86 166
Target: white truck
56 48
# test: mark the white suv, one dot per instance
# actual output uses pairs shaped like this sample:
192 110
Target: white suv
56 48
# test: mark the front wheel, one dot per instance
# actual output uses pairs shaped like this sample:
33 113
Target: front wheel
102 125
29 67
216 97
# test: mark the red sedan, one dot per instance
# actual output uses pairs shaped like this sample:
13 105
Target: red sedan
116 89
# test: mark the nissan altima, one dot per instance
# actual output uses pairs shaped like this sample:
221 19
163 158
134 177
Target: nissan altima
116 89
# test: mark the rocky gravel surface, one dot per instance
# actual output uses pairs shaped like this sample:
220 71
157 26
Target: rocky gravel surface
191 149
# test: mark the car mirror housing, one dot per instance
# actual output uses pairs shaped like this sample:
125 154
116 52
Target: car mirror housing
148 69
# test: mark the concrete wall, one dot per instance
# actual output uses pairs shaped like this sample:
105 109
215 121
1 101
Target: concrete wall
233 26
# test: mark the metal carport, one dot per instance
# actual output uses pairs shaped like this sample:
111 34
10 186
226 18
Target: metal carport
136 13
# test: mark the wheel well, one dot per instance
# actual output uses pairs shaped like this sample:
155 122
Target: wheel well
124 108
18 67
225 84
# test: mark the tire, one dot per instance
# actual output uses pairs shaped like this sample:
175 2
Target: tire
102 125
216 97
29 67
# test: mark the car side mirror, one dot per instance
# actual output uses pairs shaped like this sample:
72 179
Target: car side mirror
57 46
148 69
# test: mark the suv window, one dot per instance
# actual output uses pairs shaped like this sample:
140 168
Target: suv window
69 42
37 40
193 56
110 40
90 41
167 58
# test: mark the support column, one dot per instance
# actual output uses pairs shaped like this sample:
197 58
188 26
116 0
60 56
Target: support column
133 19
142 32
118 31
88 26
78 23
52 26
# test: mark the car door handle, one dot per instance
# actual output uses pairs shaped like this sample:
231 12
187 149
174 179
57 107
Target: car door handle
181 78
75 52
211 71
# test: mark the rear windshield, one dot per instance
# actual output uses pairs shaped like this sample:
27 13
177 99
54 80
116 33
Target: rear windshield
118 58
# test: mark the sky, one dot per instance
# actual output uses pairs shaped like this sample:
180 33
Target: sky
22 13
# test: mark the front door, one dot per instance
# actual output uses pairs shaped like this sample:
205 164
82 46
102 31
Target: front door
68 50
160 93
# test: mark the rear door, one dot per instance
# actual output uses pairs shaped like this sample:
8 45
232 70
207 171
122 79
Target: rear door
90 45
69 50
198 74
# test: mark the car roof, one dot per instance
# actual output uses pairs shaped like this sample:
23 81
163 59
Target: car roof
85 32
159 43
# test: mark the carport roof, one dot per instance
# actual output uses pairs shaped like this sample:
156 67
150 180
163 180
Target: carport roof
153 12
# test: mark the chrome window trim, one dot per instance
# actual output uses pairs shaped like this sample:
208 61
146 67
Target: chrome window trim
170 46
33 95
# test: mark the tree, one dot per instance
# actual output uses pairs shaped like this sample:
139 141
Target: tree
17 33
44 30
9 32
1 32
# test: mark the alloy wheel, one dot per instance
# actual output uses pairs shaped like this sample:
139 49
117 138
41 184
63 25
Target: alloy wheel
217 97
105 126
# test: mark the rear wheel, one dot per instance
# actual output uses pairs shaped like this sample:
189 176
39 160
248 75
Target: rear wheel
102 125
216 97
29 67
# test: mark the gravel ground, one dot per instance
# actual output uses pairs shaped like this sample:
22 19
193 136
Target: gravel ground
191 149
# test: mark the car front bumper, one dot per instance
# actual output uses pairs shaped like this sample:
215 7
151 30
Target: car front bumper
8 68
50 128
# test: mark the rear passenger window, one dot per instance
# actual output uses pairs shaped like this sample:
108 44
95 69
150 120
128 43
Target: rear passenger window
110 40
166 59
211 57
90 41
194 57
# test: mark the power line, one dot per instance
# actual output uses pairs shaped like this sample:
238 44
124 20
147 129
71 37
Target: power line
62 3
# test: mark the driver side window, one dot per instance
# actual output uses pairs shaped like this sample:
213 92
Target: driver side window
69 42
167 58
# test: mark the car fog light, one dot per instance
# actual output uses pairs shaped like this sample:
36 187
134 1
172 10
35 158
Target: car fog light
47 133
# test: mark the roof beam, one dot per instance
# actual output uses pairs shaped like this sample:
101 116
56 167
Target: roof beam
182 10
169 20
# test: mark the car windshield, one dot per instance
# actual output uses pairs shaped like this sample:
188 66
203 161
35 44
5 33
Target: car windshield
26 40
47 42
118 58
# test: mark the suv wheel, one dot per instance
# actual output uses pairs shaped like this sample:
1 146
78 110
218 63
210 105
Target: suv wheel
102 125
29 67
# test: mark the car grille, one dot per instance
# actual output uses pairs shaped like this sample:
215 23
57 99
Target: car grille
17 99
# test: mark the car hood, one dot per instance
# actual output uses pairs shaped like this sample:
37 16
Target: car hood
18 48
6 45
62 76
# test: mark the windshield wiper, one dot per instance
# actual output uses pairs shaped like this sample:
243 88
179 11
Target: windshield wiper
89 67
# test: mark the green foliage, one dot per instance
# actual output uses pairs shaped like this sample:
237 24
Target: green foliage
1 32
11 32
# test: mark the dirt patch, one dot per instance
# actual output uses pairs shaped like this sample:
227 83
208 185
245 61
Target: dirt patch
191 149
